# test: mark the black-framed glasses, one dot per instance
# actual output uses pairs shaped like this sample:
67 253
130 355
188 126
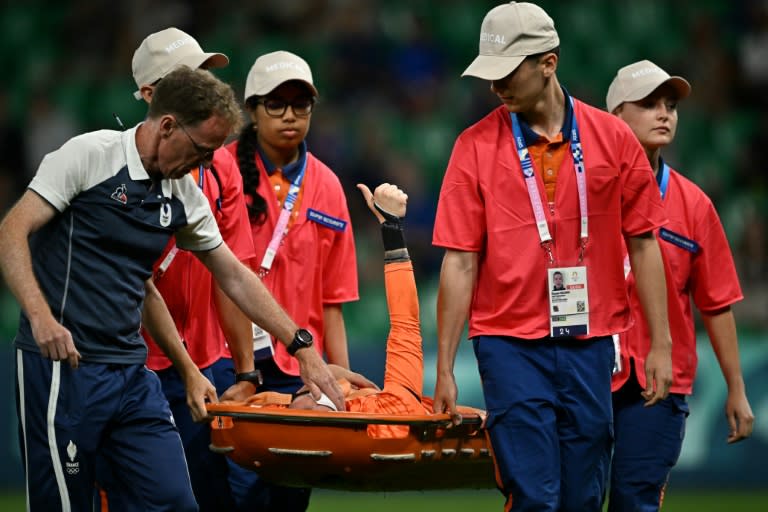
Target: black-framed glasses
205 154
302 107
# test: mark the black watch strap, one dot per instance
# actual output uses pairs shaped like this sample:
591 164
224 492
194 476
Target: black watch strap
254 377
302 339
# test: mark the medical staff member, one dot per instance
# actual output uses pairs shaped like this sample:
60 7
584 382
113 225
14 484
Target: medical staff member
204 316
301 229
699 267
543 184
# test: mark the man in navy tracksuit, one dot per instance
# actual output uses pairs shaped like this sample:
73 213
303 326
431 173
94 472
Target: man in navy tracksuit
78 250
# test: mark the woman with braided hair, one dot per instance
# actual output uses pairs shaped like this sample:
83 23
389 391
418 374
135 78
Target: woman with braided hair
302 235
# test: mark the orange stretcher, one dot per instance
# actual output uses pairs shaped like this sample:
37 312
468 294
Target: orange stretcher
333 450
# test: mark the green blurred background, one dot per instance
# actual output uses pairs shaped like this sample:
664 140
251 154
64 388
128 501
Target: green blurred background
391 106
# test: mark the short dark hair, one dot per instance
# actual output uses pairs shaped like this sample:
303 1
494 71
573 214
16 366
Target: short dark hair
537 56
194 95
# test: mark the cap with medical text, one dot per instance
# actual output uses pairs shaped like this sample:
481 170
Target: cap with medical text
638 80
272 69
162 52
510 33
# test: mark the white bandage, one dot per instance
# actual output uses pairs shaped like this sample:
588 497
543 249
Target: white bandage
324 400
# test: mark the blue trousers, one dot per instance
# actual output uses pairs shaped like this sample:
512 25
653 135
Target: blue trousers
248 490
549 419
207 470
116 412
647 446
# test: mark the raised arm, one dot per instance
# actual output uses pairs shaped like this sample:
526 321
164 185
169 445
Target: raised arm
405 361
648 267
28 215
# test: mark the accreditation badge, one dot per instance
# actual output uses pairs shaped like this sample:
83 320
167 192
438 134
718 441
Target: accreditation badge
568 301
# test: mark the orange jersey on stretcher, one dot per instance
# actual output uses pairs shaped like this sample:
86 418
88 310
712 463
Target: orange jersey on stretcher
403 374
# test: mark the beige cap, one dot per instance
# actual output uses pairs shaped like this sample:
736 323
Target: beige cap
272 69
510 33
162 52
638 80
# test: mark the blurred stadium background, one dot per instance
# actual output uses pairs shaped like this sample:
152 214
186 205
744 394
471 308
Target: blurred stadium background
391 105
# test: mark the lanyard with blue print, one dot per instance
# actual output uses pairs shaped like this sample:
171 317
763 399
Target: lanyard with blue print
664 181
533 192
281 228
201 182
665 234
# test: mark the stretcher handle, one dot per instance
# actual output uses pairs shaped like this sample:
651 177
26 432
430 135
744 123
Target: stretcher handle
330 418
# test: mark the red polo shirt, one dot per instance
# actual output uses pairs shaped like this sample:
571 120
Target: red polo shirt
703 271
484 207
315 264
187 285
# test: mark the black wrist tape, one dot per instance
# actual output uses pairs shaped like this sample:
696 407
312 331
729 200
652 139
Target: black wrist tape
393 236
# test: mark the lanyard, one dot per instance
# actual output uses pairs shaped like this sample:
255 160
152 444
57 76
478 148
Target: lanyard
533 191
664 181
281 228
201 177
215 174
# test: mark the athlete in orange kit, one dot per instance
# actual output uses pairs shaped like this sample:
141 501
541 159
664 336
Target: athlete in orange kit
403 374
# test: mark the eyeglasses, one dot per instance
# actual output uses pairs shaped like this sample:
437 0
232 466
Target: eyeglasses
205 154
302 107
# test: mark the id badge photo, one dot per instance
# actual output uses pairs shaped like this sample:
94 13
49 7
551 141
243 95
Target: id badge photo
568 301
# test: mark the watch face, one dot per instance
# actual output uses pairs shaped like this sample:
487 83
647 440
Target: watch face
304 337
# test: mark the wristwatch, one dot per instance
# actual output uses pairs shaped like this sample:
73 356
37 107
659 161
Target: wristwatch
302 339
254 377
